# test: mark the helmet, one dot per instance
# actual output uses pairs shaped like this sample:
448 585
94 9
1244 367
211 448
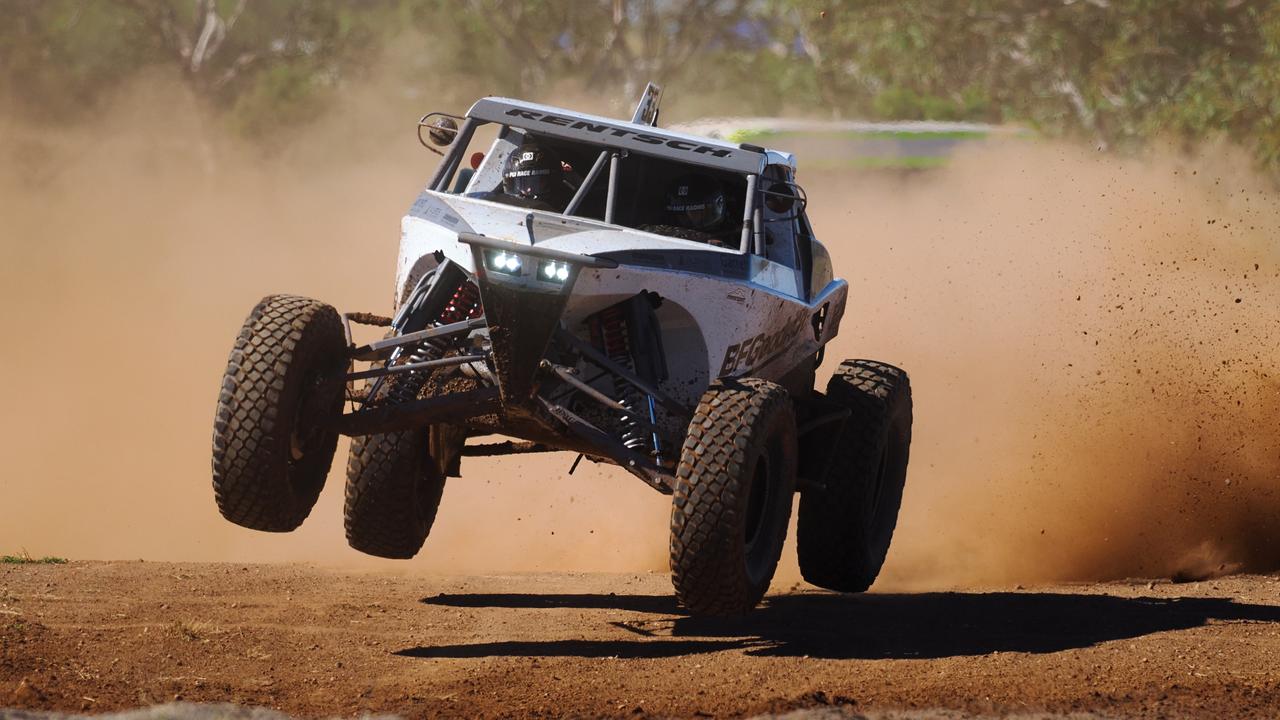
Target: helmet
533 173
695 202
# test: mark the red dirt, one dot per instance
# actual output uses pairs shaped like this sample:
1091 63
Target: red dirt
92 636
1088 337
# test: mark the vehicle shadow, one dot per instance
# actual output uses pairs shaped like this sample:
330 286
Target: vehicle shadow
925 625
664 604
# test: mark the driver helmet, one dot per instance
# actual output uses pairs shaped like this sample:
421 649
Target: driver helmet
695 202
533 172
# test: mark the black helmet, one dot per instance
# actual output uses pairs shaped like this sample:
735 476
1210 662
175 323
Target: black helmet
533 173
695 202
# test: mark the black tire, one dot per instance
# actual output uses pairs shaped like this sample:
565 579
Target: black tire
394 487
733 494
273 435
395 480
847 523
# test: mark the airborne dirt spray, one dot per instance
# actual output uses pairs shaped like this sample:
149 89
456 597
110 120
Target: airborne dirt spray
1090 342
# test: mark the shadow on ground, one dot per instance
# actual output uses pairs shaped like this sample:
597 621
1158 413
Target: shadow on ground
929 625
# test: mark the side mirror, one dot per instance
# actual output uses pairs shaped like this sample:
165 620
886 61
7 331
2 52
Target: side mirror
784 199
441 131
780 198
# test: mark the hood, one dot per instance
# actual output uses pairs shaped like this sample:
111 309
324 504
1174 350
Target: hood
437 216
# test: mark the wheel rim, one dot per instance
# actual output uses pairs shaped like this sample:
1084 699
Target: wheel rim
757 499
759 518
308 422
878 490
421 488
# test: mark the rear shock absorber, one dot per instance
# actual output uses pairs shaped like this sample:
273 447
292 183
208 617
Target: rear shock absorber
463 304
611 335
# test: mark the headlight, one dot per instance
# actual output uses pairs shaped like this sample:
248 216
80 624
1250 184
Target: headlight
553 271
504 262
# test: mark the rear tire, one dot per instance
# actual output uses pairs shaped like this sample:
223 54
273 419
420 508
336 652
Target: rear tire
846 525
273 435
394 488
733 495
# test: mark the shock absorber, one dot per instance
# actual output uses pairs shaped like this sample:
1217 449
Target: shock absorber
463 304
611 335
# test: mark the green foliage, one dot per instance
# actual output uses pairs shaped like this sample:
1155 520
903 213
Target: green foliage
262 63
58 56
905 103
1117 72
25 559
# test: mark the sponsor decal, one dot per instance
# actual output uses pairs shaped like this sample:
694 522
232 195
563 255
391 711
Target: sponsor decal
618 132
751 352
527 173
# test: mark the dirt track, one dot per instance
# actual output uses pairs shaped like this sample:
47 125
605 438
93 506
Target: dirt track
105 636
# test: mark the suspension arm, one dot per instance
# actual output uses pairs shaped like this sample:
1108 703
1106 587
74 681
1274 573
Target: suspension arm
604 362
568 376
380 349
607 447
414 367
452 407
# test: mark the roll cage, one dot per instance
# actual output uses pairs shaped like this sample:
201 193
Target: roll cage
638 159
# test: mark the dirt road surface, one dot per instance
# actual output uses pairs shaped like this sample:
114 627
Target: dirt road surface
96 637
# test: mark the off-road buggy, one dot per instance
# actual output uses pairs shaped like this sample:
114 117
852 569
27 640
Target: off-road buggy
589 327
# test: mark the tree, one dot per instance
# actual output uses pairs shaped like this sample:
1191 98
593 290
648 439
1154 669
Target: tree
609 46
1116 72
261 62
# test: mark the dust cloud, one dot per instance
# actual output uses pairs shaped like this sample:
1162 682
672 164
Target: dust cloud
1091 399
1090 341
131 254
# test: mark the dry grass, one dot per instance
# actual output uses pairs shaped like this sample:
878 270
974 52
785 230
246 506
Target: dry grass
195 630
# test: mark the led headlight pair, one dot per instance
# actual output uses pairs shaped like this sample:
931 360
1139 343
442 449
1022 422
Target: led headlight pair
504 262
552 270
511 264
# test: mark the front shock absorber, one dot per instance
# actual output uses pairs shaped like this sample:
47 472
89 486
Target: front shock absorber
463 304
612 336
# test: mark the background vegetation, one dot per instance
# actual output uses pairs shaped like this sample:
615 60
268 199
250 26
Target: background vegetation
1115 72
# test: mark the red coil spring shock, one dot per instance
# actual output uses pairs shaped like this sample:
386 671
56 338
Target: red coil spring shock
609 330
611 334
464 304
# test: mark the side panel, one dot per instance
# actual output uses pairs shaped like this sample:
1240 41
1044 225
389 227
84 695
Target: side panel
715 327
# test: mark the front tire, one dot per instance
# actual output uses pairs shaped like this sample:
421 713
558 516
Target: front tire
273 432
732 499
846 525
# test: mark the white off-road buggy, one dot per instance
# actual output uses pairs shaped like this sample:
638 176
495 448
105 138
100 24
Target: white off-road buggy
592 319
